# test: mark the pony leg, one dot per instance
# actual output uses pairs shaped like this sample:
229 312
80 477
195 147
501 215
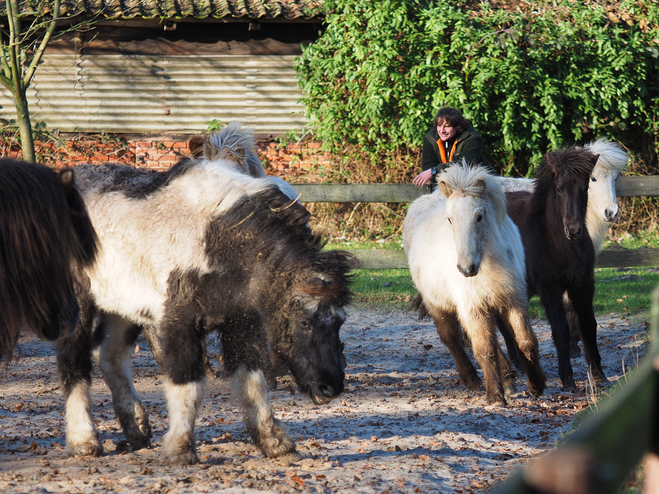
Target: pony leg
150 334
575 330
482 332
450 334
519 323
74 364
246 357
552 300
582 301
184 368
265 430
509 339
117 338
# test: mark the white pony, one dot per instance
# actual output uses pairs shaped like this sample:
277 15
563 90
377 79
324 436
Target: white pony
602 199
467 261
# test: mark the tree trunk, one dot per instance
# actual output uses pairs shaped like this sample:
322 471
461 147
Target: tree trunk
24 125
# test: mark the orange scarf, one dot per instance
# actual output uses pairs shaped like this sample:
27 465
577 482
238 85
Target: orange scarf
442 151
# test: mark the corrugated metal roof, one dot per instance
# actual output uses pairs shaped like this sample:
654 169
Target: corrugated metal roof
178 94
199 9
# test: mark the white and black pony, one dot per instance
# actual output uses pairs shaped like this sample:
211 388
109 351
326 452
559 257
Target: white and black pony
197 248
44 233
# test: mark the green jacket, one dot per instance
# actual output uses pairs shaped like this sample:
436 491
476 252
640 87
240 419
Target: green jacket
470 147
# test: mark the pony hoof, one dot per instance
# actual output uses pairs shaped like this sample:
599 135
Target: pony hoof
182 458
575 351
140 436
536 392
496 401
569 386
278 446
86 449
474 385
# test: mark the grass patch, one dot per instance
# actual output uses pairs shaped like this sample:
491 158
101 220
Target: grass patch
618 291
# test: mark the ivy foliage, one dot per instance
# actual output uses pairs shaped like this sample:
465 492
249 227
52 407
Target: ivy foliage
530 79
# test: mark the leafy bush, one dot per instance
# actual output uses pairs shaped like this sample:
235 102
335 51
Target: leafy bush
530 79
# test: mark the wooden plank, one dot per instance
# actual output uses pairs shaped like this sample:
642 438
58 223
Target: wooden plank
627 258
395 259
397 193
638 186
359 192
381 259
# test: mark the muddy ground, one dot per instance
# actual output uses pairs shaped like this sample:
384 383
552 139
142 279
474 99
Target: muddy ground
405 423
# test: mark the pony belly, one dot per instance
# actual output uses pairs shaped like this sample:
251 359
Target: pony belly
136 299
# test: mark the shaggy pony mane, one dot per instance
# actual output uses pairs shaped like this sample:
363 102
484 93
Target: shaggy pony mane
611 156
237 145
278 226
574 163
475 181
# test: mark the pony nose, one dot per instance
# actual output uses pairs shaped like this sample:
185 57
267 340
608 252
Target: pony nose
573 232
610 214
468 271
328 391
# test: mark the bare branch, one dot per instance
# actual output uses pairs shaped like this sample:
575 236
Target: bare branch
44 42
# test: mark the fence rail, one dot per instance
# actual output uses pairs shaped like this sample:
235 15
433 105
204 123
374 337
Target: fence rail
602 452
404 193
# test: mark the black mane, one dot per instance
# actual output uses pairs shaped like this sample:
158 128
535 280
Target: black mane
575 163
136 183
275 229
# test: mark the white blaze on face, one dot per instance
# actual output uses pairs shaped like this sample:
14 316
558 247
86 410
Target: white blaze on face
467 218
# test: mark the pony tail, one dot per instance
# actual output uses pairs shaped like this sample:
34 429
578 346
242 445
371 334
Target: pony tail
83 229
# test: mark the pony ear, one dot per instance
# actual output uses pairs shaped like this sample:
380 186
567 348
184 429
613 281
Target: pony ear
594 160
480 188
196 145
444 188
65 177
210 153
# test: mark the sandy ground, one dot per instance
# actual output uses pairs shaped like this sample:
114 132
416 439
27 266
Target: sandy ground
404 424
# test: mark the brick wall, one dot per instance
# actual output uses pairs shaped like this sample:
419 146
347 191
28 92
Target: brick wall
161 152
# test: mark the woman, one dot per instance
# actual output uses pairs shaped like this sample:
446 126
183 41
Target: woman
449 140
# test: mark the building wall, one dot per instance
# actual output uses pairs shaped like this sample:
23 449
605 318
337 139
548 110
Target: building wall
161 152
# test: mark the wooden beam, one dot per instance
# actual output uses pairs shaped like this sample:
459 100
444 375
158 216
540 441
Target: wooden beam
359 192
395 259
627 258
638 186
399 193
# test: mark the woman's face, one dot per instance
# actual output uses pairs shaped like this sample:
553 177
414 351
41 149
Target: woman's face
446 131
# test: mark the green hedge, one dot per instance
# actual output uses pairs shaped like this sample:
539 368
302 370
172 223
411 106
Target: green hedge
559 72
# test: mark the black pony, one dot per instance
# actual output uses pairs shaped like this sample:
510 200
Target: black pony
559 252
44 232
199 248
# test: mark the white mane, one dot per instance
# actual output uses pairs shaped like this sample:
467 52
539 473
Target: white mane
237 145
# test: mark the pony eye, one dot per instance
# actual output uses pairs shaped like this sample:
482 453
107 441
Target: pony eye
593 179
559 190
449 220
479 218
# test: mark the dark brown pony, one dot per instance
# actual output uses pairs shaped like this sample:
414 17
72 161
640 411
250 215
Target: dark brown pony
44 232
559 252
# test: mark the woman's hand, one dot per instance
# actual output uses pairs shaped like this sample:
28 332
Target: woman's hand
421 179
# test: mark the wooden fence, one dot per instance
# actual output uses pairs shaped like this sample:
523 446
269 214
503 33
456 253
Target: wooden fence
601 453
403 193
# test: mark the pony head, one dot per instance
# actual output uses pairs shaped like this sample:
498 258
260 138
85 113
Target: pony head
475 205
310 343
235 145
562 183
602 197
